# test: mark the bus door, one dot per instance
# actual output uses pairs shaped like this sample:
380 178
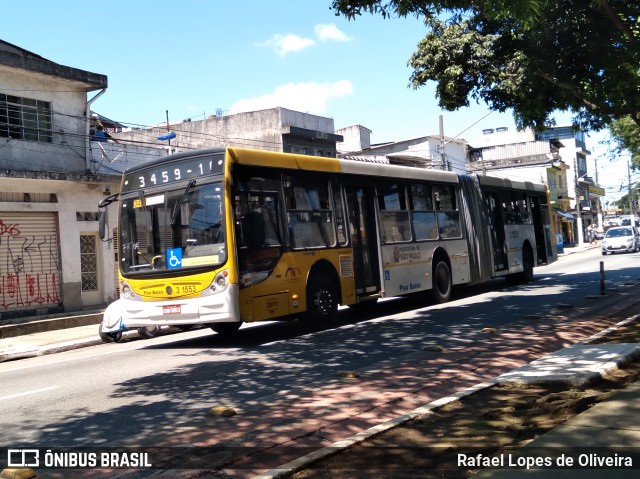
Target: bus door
496 227
538 229
362 230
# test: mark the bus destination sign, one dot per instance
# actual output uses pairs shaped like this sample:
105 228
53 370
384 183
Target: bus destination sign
164 173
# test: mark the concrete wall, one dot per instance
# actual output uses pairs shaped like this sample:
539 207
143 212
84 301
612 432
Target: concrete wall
67 150
356 138
303 120
114 158
258 129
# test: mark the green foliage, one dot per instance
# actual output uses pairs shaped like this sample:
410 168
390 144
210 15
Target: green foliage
532 56
626 134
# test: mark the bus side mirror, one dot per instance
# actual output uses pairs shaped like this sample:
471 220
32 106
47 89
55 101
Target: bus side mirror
102 225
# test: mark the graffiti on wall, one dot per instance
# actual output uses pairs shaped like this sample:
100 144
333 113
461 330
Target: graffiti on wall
29 269
10 230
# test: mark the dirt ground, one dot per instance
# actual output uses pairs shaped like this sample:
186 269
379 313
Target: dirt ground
488 422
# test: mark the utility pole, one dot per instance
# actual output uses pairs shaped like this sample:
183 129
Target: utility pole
631 213
600 215
443 157
580 236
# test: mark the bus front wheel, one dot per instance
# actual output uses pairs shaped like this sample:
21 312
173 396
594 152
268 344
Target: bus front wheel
322 298
441 288
111 337
149 332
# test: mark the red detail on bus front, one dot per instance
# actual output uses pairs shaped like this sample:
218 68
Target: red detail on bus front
174 309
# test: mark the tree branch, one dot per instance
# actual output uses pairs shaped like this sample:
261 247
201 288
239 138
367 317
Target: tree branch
572 89
612 15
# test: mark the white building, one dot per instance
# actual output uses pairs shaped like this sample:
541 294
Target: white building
423 152
51 259
557 157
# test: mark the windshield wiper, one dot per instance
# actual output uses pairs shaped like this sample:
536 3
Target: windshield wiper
176 208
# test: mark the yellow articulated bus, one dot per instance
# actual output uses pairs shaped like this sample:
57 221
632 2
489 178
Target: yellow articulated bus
224 236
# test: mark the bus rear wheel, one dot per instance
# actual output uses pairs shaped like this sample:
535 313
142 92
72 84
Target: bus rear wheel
441 287
226 329
527 265
526 275
322 298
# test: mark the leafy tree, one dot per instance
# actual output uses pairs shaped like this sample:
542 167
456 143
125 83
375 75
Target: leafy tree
532 56
626 134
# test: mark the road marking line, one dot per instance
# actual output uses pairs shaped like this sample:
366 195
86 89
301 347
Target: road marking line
29 392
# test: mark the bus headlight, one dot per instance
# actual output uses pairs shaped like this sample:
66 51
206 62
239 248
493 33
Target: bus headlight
219 283
126 291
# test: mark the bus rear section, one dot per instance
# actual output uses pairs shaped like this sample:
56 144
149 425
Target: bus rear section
511 227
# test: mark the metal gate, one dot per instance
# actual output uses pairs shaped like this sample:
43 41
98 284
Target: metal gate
29 260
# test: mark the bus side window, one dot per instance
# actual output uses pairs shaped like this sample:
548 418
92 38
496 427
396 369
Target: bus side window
339 213
259 245
258 221
309 214
394 216
423 216
448 214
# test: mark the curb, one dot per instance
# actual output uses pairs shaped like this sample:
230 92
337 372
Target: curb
51 349
51 324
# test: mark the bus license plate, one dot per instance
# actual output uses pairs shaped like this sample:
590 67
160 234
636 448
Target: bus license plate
175 309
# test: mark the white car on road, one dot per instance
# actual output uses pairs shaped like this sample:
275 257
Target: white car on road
621 239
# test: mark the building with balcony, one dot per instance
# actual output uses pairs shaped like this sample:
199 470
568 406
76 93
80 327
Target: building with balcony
51 259
556 157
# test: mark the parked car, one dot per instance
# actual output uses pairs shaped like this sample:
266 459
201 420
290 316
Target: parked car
626 221
621 239
611 222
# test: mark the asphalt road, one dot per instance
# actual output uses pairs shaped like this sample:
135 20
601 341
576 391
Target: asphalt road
146 392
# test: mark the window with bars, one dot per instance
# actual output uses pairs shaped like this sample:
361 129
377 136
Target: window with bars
89 262
25 119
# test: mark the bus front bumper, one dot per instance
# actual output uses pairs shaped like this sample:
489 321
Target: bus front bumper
217 308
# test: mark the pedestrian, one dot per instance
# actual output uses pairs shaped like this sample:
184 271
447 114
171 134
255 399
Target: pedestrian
591 234
101 135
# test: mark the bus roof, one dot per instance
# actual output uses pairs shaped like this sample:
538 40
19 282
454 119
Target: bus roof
510 184
175 156
336 165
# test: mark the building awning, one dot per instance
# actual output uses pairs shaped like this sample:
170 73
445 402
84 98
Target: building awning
565 216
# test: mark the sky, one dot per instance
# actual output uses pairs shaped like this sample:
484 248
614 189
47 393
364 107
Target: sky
193 58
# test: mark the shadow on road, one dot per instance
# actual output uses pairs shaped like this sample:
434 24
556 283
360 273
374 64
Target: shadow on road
269 370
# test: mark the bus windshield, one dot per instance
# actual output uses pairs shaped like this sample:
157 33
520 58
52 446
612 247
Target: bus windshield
172 229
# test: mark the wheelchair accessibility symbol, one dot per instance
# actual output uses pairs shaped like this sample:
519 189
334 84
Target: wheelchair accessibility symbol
174 258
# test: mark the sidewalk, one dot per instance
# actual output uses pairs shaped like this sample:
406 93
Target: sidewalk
578 248
51 335
609 428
